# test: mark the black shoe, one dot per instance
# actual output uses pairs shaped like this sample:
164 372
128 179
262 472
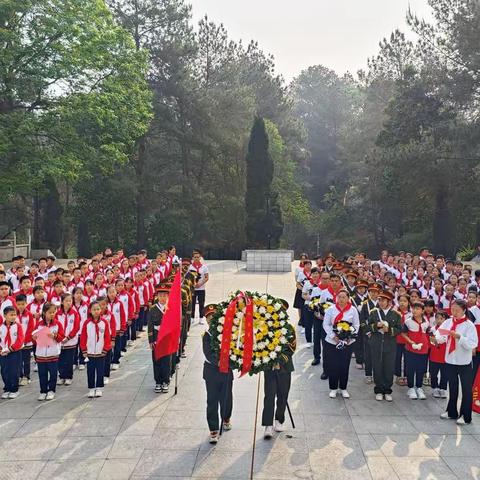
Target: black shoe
324 376
316 361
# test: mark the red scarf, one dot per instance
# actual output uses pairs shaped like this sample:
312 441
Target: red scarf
307 276
341 311
8 338
453 341
197 266
334 294
97 328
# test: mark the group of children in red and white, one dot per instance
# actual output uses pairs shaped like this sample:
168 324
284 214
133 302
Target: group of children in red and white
83 316
417 317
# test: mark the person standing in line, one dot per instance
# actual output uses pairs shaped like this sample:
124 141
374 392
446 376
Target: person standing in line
310 291
461 338
203 276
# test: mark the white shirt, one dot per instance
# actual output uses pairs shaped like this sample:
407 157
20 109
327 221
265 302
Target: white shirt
202 272
462 355
350 316
313 291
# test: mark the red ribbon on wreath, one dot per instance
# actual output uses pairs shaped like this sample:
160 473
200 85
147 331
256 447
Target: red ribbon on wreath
224 363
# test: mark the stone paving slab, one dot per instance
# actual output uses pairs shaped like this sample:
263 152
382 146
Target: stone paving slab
134 433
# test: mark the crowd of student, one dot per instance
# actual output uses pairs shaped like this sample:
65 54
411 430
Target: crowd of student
83 316
414 317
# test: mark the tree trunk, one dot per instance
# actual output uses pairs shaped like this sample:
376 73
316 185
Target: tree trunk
140 200
442 225
52 217
83 238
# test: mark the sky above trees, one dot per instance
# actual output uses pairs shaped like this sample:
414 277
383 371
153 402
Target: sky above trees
338 34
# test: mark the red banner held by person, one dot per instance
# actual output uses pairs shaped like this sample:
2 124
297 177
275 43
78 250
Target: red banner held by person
169 335
476 393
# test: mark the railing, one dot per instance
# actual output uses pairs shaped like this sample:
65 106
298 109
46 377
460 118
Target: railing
10 248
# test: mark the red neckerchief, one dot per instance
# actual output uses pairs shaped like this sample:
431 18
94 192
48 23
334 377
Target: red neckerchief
8 338
97 328
307 276
197 266
453 341
339 317
334 294
403 315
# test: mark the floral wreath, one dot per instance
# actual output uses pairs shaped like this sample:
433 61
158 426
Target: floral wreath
271 339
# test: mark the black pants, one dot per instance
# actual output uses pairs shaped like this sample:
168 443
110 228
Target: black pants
465 373
95 372
65 363
142 319
367 356
199 296
399 366
79 358
358 350
383 366
308 323
277 386
117 349
435 369
416 367
25 363
132 330
10 367
47 375
161 369
219 395
319 335
108 363
338 365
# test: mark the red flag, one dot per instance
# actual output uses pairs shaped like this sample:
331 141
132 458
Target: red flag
476 392
169 335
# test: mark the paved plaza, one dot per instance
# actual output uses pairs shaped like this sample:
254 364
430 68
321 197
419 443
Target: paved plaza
133 433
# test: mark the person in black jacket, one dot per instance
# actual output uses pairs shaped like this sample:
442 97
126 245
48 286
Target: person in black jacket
161 367
219 385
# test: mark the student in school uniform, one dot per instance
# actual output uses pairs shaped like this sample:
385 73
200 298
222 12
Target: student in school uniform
6 300
162 366
82 308
132 292
357 299
110 319
69 318
26 288
25 318
11 343
203 277
47 356
338 359
116 308
461 340
437 359
416 332
405 313
94 343
310 291
383 326
301 276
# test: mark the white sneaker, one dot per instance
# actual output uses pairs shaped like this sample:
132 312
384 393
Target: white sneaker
114 366
345 394
333 394
13 395
91 393
388 397
5 395
421 394
309 344
461 421
68 381
50 396
443 394
106 380
359 366
436 393
129 343
213 438
444 416
412 394
268 432
42 397
368 380
279 427
61 381
379 397
35 367
81 367
23 382
98 392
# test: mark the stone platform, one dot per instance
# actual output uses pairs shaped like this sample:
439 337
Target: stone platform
133 433
268 260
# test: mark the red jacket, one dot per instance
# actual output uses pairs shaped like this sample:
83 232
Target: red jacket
95 337
11 336
28 325
71 325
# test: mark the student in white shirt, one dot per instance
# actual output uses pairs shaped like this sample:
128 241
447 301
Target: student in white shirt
202 278
461 340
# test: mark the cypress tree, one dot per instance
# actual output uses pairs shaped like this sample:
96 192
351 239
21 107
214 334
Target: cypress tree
264 225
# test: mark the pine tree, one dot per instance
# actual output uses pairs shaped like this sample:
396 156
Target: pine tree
264 225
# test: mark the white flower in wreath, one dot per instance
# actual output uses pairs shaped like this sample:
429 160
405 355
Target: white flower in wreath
233 357
278 348
267 341
234 328
284 331
281 315
254 348
234 336
257 362
277 306
267 315
283 340
261 345
264 297
220 329
239 315
220 337
240 361
262 310
272 355
265 359
270 323
221 320
270 334
282 323
352 329
236 321
270 301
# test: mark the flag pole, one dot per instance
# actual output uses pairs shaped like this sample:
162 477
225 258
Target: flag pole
177 358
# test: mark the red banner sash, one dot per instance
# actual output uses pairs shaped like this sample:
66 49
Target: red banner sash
248 337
